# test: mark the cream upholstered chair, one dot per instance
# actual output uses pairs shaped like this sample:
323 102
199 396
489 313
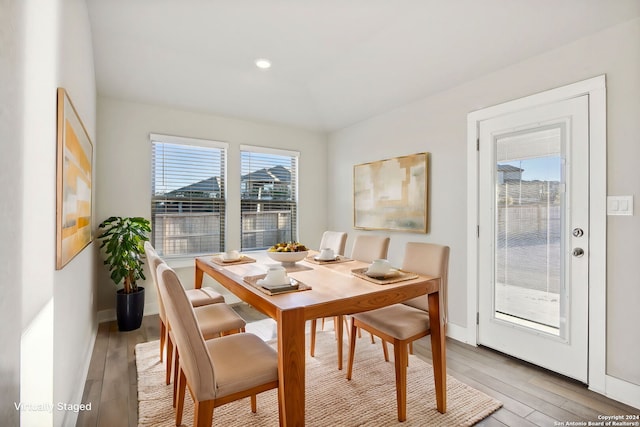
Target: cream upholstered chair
198 297
401 324
214 319
365 248
368 248
335 240
216 371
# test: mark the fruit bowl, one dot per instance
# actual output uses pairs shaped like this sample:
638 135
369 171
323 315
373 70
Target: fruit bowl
288 257
288 252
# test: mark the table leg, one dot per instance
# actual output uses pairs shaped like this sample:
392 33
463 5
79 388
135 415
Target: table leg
199 277
438 348
291 366
339 331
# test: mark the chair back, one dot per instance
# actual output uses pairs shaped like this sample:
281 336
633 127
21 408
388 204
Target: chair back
335 240
194 357
368 248
154 262
428 259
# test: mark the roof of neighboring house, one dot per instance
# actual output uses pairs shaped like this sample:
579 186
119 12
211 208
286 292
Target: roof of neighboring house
212 184
274 174
509 168
209 185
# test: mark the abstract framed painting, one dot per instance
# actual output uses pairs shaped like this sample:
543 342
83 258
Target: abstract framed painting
74 182
392 194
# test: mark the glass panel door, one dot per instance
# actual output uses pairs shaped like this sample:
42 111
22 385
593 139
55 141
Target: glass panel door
529 213
533 270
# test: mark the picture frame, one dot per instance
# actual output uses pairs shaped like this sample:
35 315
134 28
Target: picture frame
74 182
392 194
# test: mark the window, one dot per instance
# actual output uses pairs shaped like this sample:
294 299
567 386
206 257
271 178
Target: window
187 195
269 196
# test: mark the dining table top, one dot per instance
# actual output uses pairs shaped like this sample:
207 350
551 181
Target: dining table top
335 290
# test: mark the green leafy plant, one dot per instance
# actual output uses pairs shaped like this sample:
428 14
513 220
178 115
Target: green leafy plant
123 239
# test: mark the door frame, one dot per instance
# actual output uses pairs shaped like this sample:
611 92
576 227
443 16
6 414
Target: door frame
595 88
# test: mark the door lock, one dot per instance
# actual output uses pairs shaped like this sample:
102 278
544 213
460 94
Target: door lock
578 232
578 252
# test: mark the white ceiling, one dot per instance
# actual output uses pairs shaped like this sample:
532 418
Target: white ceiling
335 62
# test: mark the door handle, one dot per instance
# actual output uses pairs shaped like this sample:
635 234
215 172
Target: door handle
578 232
578 252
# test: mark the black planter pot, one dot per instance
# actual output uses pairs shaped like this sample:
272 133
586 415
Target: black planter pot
129 309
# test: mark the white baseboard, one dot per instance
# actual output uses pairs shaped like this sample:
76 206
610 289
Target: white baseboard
622 391
106 315
458 333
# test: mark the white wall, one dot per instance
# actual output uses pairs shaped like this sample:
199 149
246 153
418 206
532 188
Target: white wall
45 44
124 170
74 287
11 222
438 124
37 222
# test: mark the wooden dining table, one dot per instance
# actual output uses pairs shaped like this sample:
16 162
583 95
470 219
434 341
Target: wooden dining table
335 291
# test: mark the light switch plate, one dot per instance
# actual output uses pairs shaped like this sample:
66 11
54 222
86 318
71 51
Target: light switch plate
619 205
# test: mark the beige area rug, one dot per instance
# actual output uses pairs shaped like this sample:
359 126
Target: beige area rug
369 399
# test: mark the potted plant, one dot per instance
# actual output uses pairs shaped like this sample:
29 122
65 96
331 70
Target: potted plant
123 242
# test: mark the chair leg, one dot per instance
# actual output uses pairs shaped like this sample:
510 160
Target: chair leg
322 325
254 404
176 375
280 416
203 414
373 340
346 324
163 337
385 350
313 337
400 355
352 347
169 369
182 385
337 322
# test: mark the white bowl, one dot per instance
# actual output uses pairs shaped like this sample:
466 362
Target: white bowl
288 257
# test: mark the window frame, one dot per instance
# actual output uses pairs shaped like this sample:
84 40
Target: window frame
179 259
294 155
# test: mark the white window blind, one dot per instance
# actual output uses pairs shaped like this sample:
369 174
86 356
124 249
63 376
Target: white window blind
269 196
187 195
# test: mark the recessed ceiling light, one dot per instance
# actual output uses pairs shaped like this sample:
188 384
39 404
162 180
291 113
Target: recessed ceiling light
263 63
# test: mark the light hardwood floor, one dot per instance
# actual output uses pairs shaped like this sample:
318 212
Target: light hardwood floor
531 396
